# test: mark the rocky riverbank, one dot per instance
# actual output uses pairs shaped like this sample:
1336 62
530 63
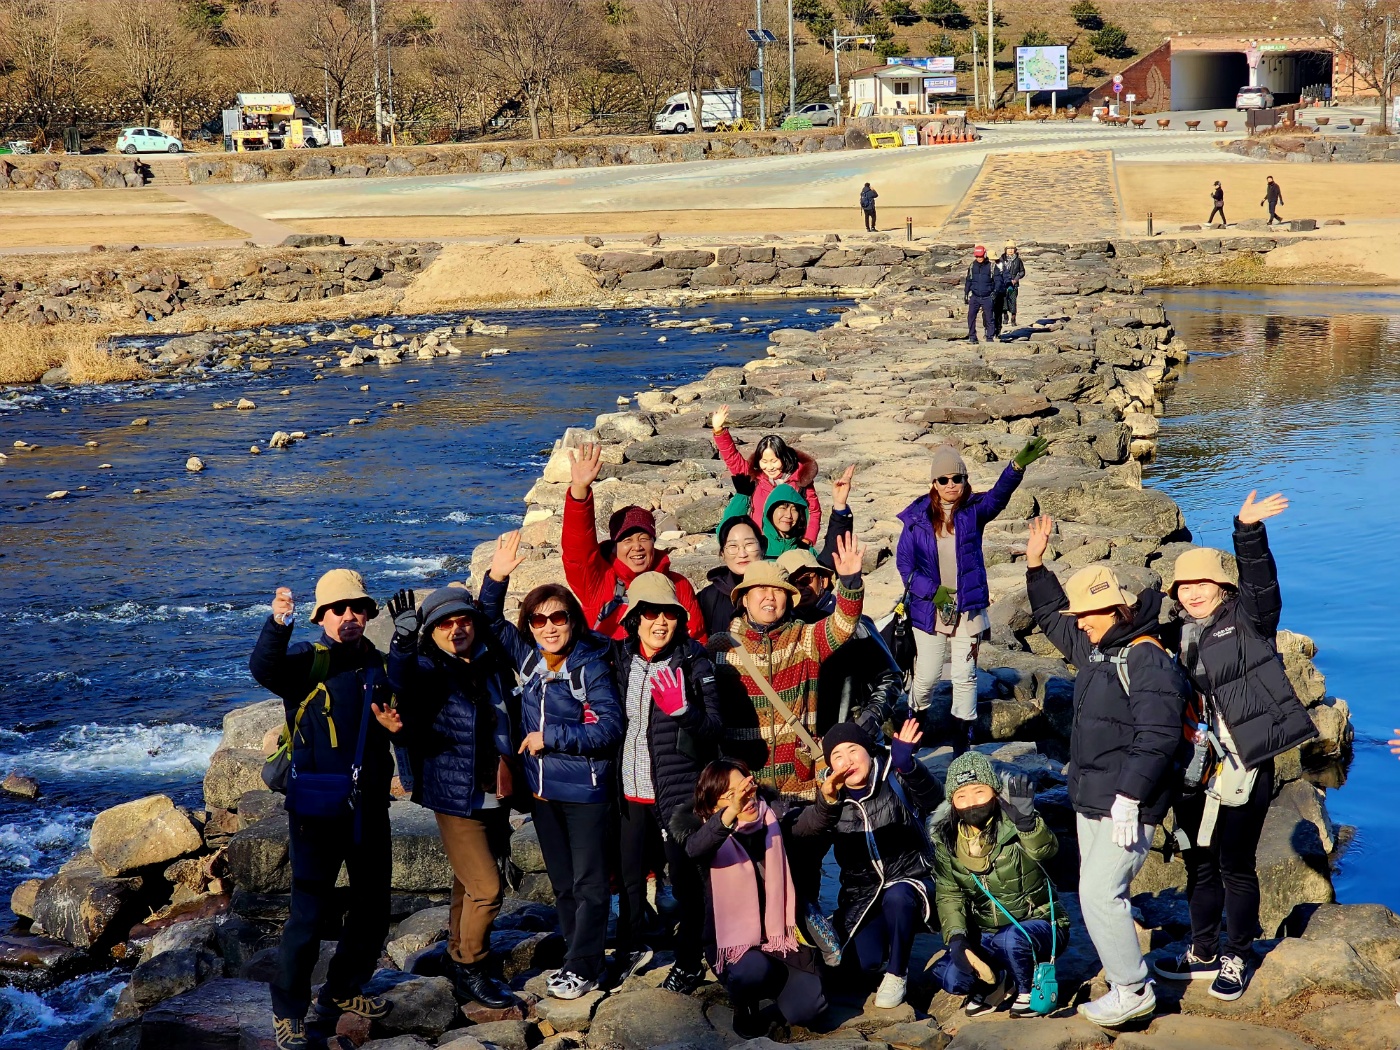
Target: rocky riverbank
194 900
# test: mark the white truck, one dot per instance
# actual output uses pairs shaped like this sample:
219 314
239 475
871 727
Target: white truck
715 107
264 119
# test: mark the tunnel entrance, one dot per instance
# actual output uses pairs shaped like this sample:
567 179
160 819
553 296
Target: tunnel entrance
1207 79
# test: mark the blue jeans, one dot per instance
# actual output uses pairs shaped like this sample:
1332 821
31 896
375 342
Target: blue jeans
1009 950
888 931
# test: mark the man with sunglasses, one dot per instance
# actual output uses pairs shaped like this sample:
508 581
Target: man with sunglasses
327 688
456 689
600 573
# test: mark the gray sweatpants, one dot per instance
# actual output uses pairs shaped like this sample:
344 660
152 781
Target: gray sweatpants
1105 872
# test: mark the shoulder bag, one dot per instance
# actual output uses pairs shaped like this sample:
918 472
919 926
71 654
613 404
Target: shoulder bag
1045 986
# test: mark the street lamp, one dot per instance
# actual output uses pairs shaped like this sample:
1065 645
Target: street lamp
761 38
838 39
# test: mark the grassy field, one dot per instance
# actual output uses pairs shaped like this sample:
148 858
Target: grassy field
28 351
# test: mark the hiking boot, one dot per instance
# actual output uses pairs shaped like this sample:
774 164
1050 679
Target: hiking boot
1187 966
986 998
1230 984
290 1033
1121 1005
890 993
684 980
471 981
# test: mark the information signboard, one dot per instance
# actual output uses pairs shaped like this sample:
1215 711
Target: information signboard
1042 68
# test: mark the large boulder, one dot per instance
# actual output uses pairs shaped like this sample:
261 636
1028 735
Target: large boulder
423 1006
1297 967
1046 1033
170 974
221 1014
1356 1026
1372 929
232 772
1293 857
247 726
136 834
1177 1032
652 1017
420 863
258 858
85 909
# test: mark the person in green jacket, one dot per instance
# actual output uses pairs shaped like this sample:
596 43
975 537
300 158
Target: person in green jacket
785 519
988 831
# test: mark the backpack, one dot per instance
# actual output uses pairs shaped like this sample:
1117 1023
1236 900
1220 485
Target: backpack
1119 660
619 599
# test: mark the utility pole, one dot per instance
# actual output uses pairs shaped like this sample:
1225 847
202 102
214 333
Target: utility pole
991 36
792 66
762 74
976 73
837 39
1387 76
374 55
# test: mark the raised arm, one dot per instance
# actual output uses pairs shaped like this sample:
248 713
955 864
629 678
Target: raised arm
1260 598
1047 597
734 462
585 568
494 585
832 632
287 675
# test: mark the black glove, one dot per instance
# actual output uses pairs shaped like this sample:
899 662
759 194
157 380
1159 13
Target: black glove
957 948
404 614
1018 800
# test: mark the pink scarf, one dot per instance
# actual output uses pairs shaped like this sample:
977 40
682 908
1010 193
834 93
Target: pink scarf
734 882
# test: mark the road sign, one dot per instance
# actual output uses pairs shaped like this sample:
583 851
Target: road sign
1118 78
1132 98
1251 57
1117 86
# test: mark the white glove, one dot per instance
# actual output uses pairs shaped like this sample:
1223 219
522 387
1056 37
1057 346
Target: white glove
1126 828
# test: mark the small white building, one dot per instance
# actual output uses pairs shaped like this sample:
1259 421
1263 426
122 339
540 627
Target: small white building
889 90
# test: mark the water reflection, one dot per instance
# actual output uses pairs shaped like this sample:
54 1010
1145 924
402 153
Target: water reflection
1299 390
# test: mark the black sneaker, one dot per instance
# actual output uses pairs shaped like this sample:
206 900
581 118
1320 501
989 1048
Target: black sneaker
371 1006
632 963
290 1033
1021 1006
683 980
986 999
1186 967
1230 983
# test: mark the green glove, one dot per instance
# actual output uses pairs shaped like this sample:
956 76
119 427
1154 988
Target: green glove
942 596
1035 448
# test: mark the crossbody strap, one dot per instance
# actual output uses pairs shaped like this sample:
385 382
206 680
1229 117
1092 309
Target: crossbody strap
740 656
1049 888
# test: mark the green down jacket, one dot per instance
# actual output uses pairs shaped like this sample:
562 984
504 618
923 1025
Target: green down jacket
1016 878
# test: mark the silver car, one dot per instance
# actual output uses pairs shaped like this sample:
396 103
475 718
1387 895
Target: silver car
1254 98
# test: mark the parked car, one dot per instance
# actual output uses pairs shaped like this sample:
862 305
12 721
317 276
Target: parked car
147 140
1254 98
821 114
716 107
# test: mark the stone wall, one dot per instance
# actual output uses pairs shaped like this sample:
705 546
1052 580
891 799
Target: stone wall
1306 148
351 162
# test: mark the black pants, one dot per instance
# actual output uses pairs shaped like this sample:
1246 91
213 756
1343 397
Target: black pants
1273 212
869 218
1219 209
984 304
576 839
796 989
886 937
1223 875
642 839
318 848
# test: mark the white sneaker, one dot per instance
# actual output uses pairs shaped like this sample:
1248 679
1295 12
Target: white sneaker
1119 1006
890 993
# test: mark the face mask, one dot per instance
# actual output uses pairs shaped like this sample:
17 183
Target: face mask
977 816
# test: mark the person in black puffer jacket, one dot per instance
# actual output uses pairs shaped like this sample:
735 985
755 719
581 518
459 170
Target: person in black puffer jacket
740 544
671 729
1227 648
455 689
872 808
326 689
1128 700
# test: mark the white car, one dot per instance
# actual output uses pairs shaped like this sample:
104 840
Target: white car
147 140
821 114
1254 98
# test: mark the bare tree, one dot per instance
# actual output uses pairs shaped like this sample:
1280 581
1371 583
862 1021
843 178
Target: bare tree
260 58
688 31
530 48
155 54
334 36
51 48
1367 32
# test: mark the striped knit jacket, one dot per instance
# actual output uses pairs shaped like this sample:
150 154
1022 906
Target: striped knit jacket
789 654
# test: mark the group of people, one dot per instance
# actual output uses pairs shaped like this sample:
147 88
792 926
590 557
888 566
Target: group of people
991 288
726 741
1273 198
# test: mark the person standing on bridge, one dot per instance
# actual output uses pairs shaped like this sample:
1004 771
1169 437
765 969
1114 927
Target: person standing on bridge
867 206
1217 200
1273 197
980 289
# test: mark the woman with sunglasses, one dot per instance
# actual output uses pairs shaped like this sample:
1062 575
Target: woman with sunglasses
456 689
671 729
940 560
572 722
326 688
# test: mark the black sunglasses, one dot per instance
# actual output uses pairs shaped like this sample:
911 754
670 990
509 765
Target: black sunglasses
345 605
956 479
559 618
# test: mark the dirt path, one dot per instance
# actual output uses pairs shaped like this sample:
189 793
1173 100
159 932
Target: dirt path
1045 196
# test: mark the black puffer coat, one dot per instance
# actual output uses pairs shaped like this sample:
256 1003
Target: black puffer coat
860 682
1244 673
1121 744
715 601
459 718
683 745
877 841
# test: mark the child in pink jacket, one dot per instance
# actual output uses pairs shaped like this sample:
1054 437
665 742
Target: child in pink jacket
773 462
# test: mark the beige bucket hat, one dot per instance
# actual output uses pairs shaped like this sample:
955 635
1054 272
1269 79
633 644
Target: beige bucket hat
763 574
1094 589
653 588
1200 564
801 559
341 585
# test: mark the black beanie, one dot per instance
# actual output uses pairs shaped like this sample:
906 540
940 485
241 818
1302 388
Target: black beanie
845 733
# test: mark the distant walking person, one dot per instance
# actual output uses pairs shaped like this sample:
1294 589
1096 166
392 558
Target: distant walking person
980 288
867 205
1217 200
1273 197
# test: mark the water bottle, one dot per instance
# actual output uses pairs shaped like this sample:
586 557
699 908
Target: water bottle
1200 756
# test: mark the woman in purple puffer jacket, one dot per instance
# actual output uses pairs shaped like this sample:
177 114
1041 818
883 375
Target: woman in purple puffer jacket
940 561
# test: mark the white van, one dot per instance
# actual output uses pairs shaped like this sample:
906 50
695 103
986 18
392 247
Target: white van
715 106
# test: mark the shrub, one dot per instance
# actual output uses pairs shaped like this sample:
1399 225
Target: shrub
946 13
1036 37
1086 15
1111 41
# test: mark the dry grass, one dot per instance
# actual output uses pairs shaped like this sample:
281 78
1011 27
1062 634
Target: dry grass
1252 269
28 351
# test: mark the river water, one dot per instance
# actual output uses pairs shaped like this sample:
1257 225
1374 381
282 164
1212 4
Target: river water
127 619
1298 390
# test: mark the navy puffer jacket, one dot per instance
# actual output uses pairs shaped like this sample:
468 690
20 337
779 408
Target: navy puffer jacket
683 745
576 709
457 720
917 554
